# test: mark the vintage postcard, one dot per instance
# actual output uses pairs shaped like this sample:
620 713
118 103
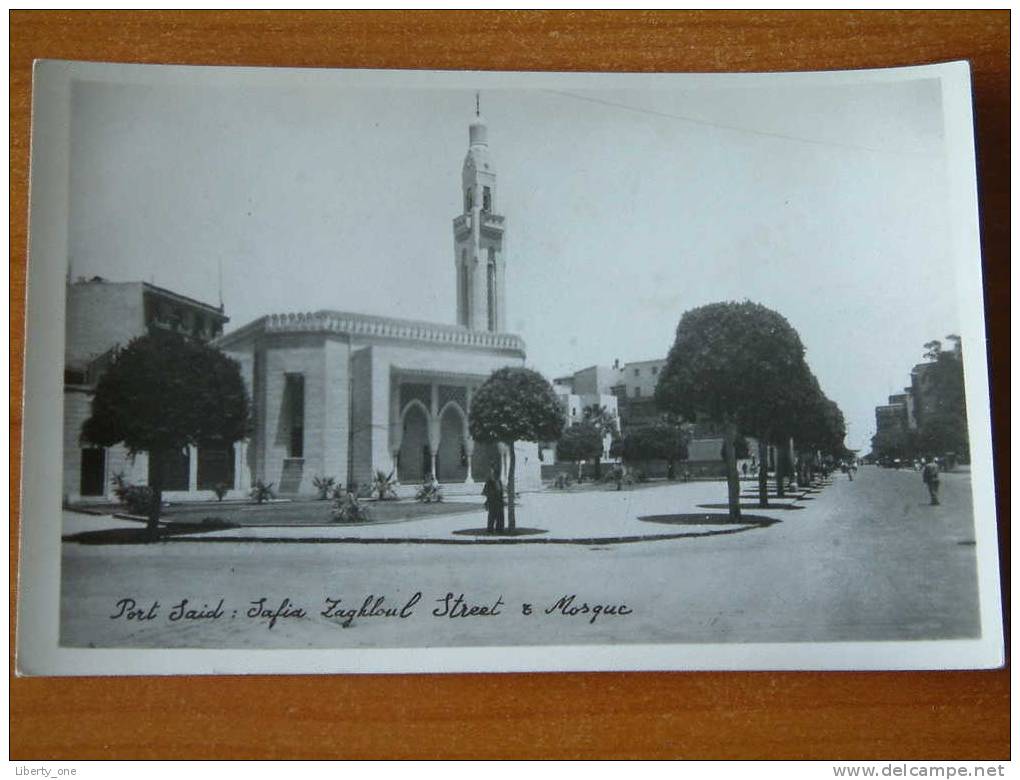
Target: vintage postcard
368 371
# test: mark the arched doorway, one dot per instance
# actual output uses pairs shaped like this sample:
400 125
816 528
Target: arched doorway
451 460
415 454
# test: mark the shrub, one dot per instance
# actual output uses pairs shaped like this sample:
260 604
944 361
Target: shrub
563 481
261 492
216 522
347 509
382 486
325 485
220 489
430 492
625 476
137 498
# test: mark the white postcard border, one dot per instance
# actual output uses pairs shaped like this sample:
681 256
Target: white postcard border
39 580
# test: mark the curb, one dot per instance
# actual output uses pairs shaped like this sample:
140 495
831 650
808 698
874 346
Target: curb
588 541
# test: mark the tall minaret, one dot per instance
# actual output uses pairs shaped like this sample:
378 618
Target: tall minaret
478 239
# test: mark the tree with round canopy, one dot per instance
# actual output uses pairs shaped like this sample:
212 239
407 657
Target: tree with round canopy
515 404
162 393
580 442
728 363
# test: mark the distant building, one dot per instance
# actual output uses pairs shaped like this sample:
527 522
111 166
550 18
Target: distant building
102 316
891 418
638 379
907 411
629 389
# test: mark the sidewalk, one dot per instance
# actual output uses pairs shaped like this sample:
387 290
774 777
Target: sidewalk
583 517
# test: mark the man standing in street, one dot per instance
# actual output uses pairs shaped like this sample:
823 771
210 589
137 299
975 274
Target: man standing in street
930 475
493 492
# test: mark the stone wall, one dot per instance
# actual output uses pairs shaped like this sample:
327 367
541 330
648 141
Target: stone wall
299 354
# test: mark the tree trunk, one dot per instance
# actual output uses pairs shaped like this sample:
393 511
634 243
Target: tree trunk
794 473
732 480
763 472
598 469
511 515
156 469
780 472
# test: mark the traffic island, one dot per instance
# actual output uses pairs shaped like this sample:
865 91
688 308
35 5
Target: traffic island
506 532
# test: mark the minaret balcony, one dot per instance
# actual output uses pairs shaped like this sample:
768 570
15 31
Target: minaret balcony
462 224
492 223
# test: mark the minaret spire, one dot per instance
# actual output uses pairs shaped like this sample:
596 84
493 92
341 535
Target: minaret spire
478 236
219 279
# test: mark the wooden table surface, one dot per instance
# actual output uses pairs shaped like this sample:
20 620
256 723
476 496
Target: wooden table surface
683 715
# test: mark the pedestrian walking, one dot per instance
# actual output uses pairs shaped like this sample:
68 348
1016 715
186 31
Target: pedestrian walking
493 492
930 476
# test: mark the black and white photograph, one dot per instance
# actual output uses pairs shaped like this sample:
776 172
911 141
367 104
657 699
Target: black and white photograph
376 371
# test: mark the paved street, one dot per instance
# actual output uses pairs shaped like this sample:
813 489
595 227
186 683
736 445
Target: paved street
862 560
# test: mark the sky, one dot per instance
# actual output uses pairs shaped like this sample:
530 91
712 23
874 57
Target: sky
624 207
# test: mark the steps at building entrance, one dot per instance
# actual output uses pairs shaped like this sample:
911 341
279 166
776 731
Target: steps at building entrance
290 479
450 489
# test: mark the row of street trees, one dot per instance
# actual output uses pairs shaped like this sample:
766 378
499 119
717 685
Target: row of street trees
738 364
742 366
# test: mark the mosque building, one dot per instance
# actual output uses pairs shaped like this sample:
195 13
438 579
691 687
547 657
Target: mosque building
345 395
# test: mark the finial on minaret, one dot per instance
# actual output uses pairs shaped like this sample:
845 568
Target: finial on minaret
219 279
478 103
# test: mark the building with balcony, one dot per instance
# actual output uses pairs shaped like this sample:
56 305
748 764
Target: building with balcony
103 316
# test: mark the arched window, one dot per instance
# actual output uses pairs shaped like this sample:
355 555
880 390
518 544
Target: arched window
486 199
469 200
462 289
491 288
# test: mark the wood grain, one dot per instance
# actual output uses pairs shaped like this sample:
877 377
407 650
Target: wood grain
707 715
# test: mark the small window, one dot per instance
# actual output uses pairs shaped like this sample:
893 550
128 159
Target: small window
491 290
486 199
655 370
637 372
294 400
93 471
469 201
637 392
